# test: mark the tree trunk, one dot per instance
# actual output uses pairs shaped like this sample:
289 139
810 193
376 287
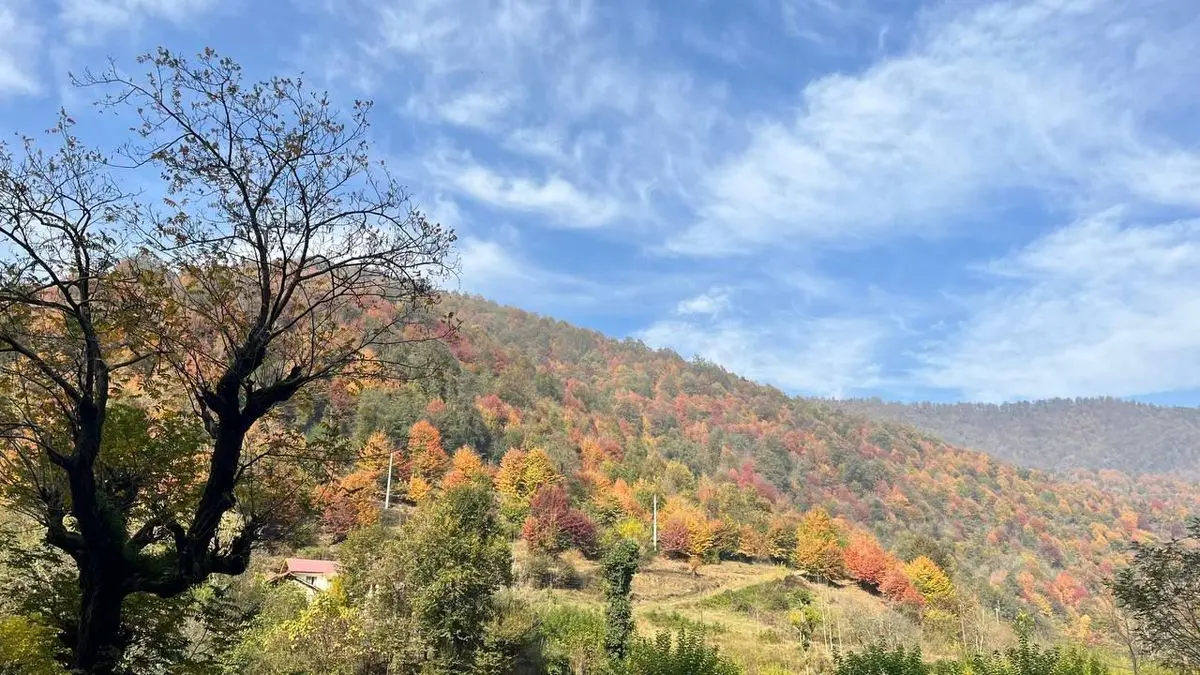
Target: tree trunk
98 643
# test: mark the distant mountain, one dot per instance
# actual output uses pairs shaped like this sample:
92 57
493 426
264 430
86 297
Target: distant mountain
1059 434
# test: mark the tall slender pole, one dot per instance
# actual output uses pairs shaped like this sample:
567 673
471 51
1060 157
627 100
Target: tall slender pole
387 496
656 522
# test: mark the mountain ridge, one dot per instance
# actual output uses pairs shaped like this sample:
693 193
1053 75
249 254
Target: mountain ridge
1059 434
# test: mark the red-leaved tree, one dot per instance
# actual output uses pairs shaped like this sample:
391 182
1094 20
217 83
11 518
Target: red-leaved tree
553 526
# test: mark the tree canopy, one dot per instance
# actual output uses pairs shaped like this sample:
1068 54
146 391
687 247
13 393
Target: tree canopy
148 349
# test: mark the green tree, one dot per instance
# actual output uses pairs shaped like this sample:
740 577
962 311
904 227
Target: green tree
224 302
617 568
1161 589
456 558
28 647
158 634
426 594
327 636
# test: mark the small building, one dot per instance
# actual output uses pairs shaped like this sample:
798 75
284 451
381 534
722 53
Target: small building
314 575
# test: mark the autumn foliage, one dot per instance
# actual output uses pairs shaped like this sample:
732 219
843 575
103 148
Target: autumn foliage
866 561
609 425
465 466
553 526
522 474
818 546
426 457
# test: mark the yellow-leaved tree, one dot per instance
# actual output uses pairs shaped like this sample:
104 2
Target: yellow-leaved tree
938 591
521 475
818 546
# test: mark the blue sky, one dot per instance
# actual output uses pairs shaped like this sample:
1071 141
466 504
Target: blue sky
938 201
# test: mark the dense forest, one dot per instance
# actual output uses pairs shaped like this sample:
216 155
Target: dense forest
1020 533
206 405
1059 434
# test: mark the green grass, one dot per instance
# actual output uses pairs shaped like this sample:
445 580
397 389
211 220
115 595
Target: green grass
779 595
675 621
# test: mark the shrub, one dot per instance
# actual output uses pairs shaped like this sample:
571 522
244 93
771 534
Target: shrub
573 639
878 660
687 654
553 526
28 647
543 571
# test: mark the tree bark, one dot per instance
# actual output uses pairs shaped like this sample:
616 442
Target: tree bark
98 643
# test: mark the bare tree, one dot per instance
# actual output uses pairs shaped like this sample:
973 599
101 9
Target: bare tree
247 285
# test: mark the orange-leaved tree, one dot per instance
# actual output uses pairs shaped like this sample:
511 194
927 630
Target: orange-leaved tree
867 562
427 460
522 474
465 466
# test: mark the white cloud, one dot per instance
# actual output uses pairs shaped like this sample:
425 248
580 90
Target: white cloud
1049 97
1098 307
21 39
971 113
548 82
712 302
837 26
86 20
826 356
474 109
496 269
563 203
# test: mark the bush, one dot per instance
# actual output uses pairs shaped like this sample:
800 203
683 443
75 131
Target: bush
878 660
573 639
687 654
28 647
511 641
677 621
1025 659
544 571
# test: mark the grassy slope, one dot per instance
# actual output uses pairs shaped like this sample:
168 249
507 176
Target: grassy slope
667 596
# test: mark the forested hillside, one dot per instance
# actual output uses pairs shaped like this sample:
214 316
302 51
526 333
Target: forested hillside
1059 434
245 431
622 419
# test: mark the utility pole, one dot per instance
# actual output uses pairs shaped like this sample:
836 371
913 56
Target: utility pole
655 527
387 496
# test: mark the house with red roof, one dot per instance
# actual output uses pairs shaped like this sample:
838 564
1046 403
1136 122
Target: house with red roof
314 575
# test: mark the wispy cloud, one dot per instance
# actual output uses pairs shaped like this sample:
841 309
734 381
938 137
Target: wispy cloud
711 302
559 201
493 268
823 356
1046 97
551 84
1103 305
798 189
88 20
22 35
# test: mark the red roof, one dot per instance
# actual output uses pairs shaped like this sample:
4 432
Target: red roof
306 566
